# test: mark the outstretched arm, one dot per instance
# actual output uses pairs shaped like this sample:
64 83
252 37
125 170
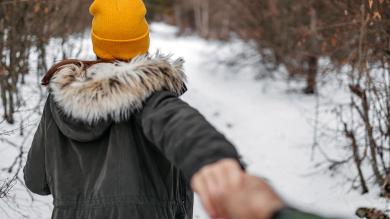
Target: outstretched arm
255 199
192 144
183 134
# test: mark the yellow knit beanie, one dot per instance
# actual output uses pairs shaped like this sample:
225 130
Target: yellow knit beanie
119 29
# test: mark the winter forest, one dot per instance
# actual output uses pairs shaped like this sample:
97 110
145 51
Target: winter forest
301 87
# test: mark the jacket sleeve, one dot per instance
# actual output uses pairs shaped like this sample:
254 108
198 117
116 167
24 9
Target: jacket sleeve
34 170
291 213
183 134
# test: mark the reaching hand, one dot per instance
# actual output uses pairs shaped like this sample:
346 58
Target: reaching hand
215 182
255 199
227 192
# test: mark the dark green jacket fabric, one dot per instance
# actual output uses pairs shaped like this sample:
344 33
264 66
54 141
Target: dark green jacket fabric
136 167
290 213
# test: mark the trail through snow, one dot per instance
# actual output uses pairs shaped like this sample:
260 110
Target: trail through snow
270 127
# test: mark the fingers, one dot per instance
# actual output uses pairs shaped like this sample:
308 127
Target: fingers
227 192
200 186
253 199
215 182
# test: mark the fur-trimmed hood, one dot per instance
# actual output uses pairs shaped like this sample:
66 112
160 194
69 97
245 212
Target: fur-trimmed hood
113 91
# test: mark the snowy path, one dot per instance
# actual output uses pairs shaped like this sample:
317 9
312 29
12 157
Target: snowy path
269 127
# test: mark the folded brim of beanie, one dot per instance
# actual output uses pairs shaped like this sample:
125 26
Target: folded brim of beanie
107 49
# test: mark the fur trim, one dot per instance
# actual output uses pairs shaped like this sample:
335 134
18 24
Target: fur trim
114 90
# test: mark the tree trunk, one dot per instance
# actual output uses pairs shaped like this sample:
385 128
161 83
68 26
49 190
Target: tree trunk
311 80
356 157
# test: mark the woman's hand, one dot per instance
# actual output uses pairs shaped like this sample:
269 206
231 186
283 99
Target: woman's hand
228 192
215 182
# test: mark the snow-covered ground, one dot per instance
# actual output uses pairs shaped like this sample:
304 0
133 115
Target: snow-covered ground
271 128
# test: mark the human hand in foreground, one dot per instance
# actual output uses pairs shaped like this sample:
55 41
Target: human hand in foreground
255 199
214 182
227 192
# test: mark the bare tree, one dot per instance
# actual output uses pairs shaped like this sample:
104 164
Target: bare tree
26 29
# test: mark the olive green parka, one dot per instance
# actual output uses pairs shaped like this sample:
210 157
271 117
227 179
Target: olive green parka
115 142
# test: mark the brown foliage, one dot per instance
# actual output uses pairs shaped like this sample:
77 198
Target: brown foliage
25 25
